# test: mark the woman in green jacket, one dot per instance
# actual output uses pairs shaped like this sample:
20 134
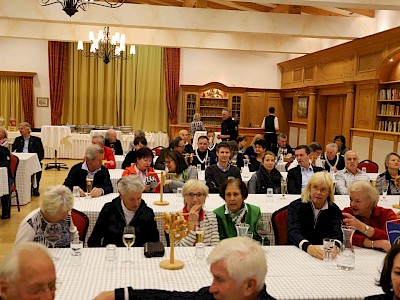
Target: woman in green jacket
235 211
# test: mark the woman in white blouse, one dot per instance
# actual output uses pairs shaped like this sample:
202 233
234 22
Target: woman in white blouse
50 224
194 194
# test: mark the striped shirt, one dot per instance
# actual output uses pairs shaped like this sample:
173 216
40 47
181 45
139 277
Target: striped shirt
211 235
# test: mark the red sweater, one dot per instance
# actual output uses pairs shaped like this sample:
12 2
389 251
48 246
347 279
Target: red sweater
131 171
109 156
377 220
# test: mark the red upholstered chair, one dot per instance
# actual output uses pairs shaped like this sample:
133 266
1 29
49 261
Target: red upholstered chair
280 226
81 221
371 166
157 150
14 162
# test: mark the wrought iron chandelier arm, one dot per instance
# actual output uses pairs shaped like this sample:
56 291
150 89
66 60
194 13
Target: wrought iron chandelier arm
109 4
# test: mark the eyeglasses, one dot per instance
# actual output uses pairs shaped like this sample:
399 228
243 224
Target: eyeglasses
39 289
167 162
321 190
198 195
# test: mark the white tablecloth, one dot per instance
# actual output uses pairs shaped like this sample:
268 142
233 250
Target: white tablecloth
268 205
81 141
119 159
54 136
103 133
3 181
28 165
292 273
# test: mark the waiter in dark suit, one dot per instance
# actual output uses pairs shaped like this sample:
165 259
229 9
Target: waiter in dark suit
298 177
229 127
27 143
271 126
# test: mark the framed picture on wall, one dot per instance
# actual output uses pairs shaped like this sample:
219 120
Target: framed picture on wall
42 102
302 107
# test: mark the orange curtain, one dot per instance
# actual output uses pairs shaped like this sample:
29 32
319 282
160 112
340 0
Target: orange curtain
26 90
172 66
57 71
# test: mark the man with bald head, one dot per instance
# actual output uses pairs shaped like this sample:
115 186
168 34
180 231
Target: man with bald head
184 135
113 143
27 272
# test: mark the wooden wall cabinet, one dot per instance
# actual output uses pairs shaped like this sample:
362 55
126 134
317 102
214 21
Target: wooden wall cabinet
209 100
388 107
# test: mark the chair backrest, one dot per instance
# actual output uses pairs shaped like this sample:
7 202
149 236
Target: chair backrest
371 166
14 162
81 221
157 150
280 226
288 165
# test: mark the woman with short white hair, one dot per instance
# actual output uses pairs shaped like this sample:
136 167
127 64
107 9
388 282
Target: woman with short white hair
55 209
366 217
129 209
194 194
3 137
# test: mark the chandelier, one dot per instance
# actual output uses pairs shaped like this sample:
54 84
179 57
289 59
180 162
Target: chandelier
107 48
72 6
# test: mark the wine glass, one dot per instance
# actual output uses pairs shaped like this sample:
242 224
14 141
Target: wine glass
283 188
263 228
52 234
385 186
128 238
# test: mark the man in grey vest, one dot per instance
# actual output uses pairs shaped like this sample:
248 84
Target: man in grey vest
270 126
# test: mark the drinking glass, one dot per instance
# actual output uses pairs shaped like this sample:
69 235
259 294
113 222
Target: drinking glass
263 228
283 188
323 163
76 191
328 245
89 186
76 252
52 234
385 186
270 192
364 170
111 252
198 167
128 238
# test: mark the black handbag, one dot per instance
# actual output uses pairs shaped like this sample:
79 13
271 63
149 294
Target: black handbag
155 249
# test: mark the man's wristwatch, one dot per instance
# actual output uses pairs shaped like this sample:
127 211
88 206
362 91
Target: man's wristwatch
366 229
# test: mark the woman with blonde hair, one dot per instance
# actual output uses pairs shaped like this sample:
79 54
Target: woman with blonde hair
194 194
391 175
3 137
196 125
54 211
315 216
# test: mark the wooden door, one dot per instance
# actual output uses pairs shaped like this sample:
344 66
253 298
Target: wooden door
254 109
334 117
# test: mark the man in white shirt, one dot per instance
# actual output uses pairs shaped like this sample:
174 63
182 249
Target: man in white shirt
350 173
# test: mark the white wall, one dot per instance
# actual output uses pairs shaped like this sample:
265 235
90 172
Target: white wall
29 56
386 19
232 68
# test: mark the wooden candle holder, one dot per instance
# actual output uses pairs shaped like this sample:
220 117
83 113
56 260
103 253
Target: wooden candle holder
177 228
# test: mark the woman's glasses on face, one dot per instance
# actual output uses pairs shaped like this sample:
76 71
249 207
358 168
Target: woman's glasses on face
192 195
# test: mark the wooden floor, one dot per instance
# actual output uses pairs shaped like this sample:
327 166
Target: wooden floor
9 228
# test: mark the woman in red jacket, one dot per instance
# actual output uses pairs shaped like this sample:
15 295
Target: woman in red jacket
143 169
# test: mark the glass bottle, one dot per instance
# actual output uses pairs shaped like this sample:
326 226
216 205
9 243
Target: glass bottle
346 257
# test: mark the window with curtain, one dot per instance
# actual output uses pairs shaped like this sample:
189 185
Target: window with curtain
123 92
10 99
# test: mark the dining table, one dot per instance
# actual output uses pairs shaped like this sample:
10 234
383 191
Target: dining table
268 204
3 181
28 165
292 273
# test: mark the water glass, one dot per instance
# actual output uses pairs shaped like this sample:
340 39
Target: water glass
179 192
76 252
111 252
328 245
200 251
198 167
364 170
249 235
270 192
76 191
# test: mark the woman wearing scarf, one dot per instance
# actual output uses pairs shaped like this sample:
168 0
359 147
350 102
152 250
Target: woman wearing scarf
391 175
194 195
267 177
235 211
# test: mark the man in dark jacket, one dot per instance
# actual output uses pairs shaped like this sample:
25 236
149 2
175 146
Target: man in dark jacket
229 127
228 283
126 210
6 199
92 167
30 144
298 177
